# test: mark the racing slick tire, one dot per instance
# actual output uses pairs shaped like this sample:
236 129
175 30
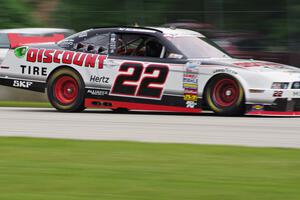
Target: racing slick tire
120 110
65 91
225 96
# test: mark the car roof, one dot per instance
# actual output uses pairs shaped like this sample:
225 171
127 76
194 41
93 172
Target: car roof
178 32
174 32
36 30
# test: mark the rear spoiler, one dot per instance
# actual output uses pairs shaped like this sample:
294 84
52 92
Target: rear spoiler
16 39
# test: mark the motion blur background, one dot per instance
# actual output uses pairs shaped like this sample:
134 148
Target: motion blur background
259 29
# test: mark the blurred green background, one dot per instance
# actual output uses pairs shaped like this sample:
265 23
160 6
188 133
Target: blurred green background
278 20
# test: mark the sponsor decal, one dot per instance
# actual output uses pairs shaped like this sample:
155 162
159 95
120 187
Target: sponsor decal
190 76
175 56
191 90
296 94
68 42
278 93
190 80
226 70
65 57
97 79
97 92
136 30
190 83
256 64
257 107
190 86
192 69
22 84
83 34
20 52
33 70
190 97
113 43
191 104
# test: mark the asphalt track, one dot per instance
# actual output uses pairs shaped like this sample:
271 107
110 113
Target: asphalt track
151 127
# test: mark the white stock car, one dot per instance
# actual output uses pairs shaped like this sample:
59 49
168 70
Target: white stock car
158 69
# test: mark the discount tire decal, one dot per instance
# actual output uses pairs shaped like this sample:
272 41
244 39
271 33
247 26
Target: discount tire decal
65 57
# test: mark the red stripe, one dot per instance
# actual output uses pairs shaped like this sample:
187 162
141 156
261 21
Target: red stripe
274 113
138 106
16 39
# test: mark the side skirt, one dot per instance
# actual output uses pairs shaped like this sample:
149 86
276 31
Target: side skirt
108 104
31 85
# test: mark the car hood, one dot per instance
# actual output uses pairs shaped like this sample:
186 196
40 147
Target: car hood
252 65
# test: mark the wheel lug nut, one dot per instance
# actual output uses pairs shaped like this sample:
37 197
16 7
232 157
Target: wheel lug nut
228 93
69 90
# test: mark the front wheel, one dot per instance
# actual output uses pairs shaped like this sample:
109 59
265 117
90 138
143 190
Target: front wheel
65 91
225 96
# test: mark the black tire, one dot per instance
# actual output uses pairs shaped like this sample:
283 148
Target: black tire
65 89
225 96
121 110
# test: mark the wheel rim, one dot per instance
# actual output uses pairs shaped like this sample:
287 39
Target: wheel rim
66 89
226 92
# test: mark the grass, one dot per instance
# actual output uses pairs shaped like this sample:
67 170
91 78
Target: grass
47 169
24 104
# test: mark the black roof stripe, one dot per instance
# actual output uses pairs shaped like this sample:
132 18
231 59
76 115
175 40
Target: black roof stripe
131 27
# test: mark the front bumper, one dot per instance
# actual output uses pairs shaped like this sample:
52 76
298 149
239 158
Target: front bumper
280 107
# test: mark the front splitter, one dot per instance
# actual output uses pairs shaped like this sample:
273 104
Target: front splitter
275 113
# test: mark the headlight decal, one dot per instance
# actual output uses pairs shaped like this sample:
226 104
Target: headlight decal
280 85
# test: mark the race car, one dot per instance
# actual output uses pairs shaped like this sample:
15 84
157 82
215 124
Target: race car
151 69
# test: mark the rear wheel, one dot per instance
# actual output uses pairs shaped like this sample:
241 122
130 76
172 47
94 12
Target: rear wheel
66 91
225 96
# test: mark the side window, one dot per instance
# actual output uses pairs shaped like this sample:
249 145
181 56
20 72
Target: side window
139 45
4 42
97 44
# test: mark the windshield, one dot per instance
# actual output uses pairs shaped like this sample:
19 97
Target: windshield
195 47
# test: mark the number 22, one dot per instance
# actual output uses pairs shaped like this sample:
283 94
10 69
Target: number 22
139 82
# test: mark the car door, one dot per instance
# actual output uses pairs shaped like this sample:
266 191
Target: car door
144 78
